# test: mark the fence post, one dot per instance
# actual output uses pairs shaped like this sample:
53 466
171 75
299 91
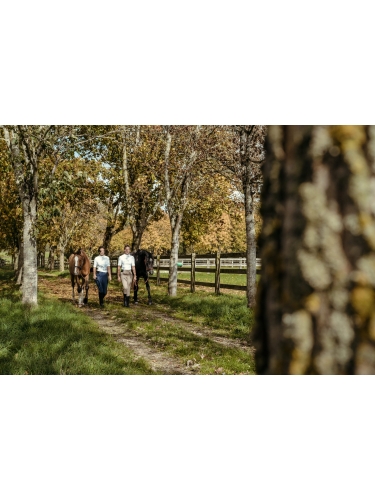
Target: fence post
217 273
158 269
192 276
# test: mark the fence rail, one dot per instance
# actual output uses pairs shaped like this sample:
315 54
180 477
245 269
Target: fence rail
209 263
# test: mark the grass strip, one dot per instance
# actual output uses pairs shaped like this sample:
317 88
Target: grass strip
208 356
54 339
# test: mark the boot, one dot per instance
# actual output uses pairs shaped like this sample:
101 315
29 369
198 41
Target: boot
124 304
127 301
101 299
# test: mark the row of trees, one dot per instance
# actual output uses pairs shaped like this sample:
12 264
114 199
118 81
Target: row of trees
64 185
316 297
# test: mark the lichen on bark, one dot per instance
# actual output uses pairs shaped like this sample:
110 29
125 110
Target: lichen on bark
317 290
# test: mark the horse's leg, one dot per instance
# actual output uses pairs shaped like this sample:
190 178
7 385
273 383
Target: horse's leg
148 291
72 280
80 283
136 292
86 299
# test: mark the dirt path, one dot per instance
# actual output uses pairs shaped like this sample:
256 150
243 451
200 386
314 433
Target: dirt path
159 361
199 330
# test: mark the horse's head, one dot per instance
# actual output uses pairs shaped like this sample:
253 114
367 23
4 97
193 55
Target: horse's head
149 262
144 260
78 260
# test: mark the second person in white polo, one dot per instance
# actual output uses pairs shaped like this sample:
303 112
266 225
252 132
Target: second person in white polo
126 273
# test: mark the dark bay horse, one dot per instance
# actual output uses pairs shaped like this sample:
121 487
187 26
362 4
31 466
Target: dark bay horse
79 268
144 265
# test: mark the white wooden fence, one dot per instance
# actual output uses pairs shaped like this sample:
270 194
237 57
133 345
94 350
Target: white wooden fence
212 263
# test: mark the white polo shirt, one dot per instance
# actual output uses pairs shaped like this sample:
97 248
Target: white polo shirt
126 261
101 262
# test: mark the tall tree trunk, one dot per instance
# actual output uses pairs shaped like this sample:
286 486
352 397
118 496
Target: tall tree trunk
251 156
108 235
138 228
15 259
316 298
30 270
51 258
62 258
175 243
18 265
251 257
137 232
19 275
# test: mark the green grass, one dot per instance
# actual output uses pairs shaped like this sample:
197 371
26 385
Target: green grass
54 339
227 311
57 339
227 314
178 341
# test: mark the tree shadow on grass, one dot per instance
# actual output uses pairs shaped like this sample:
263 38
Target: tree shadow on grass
53 339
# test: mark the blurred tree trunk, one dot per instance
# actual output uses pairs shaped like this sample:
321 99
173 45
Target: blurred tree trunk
316 297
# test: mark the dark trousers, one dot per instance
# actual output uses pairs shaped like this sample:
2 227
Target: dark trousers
102 284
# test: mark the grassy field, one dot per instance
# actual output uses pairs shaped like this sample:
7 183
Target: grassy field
57 339
227 311
54 339
227 314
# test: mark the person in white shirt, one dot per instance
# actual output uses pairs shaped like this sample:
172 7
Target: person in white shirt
126 273
102 272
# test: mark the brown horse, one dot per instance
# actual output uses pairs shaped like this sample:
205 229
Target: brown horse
79 268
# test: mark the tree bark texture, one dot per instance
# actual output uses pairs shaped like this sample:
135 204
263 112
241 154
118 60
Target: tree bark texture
251 157
251 246
175 244
62 258
316 297
19 265
51 258
137 233
30 268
